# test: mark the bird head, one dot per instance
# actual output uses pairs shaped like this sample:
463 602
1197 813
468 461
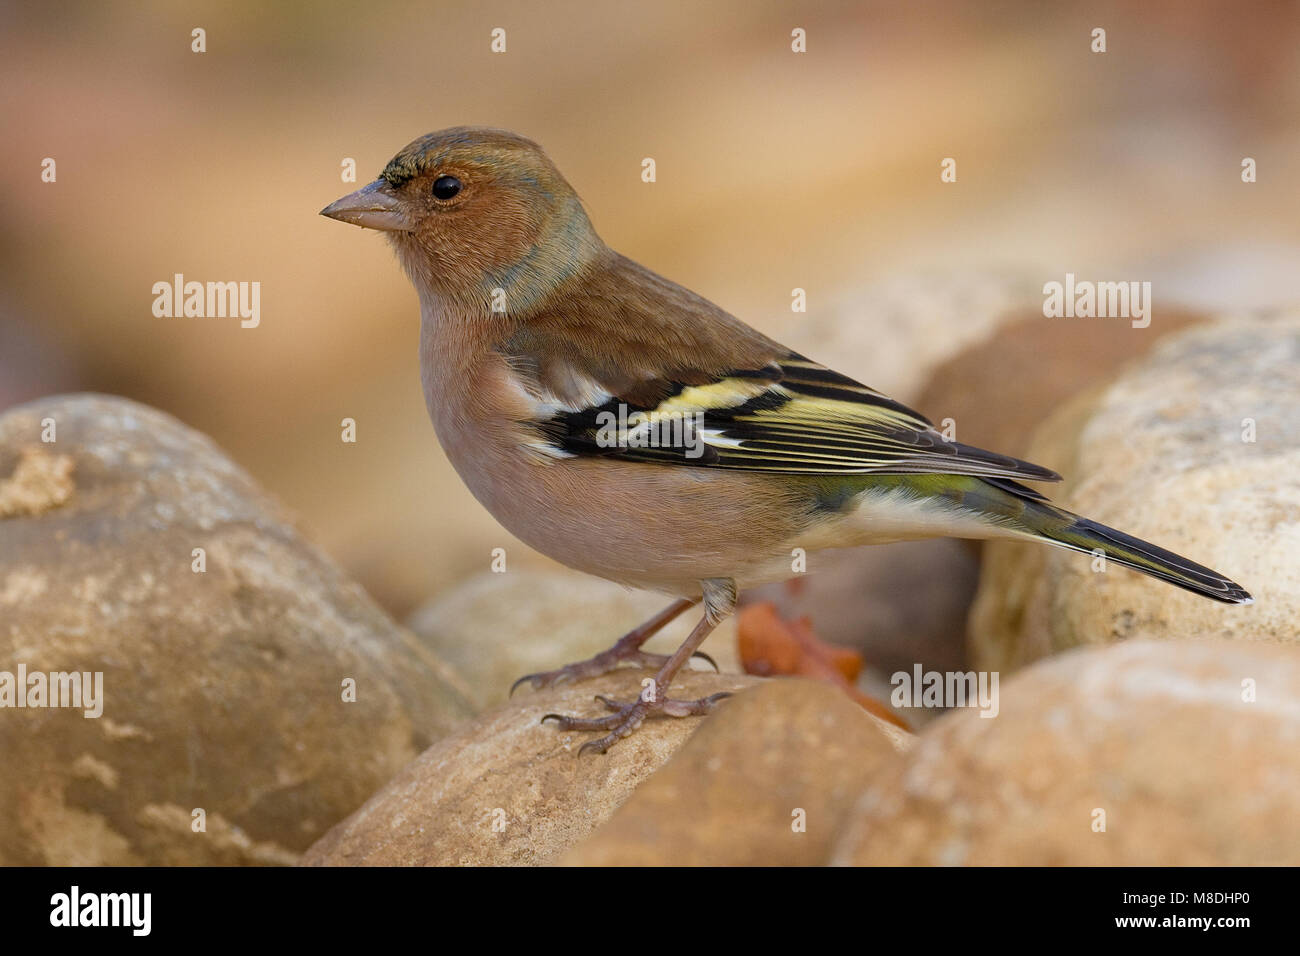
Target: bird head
477 214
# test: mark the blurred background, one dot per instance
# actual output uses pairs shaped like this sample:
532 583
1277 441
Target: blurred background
775 170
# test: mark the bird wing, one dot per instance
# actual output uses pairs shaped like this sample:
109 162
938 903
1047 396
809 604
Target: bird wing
793 416
631 357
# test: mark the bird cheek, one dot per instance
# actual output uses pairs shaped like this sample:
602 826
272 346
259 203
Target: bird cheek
411 253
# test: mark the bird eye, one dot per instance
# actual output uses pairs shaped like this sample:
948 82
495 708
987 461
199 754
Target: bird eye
444 187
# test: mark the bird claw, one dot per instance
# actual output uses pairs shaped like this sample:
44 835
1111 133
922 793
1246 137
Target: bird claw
627 717
602 663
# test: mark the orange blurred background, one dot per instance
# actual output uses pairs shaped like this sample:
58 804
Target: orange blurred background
775 170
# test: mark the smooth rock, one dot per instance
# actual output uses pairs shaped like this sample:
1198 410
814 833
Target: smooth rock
1160 454
222 690
1138 754
508 789
764 782
997 391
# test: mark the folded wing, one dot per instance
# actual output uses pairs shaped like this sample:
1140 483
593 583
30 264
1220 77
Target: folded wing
792 416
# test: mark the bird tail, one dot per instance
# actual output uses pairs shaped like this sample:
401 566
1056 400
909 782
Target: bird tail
1046 522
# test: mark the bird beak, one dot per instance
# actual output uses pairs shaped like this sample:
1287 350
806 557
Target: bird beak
371 207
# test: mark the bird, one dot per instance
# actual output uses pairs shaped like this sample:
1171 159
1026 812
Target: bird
631 429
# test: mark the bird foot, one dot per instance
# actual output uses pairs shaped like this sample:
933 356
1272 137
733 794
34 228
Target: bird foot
602 663
627 717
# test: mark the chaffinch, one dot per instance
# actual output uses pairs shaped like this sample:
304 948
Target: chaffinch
632 429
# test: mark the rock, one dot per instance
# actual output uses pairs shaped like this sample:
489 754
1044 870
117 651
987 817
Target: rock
221 690
999 390
507 789
40 481
495 628
1160 454
1151 739
788 750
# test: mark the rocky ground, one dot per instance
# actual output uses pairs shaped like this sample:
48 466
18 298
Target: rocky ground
259 708
131 546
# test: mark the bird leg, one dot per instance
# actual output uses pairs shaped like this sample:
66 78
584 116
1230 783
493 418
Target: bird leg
627 648
719 602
